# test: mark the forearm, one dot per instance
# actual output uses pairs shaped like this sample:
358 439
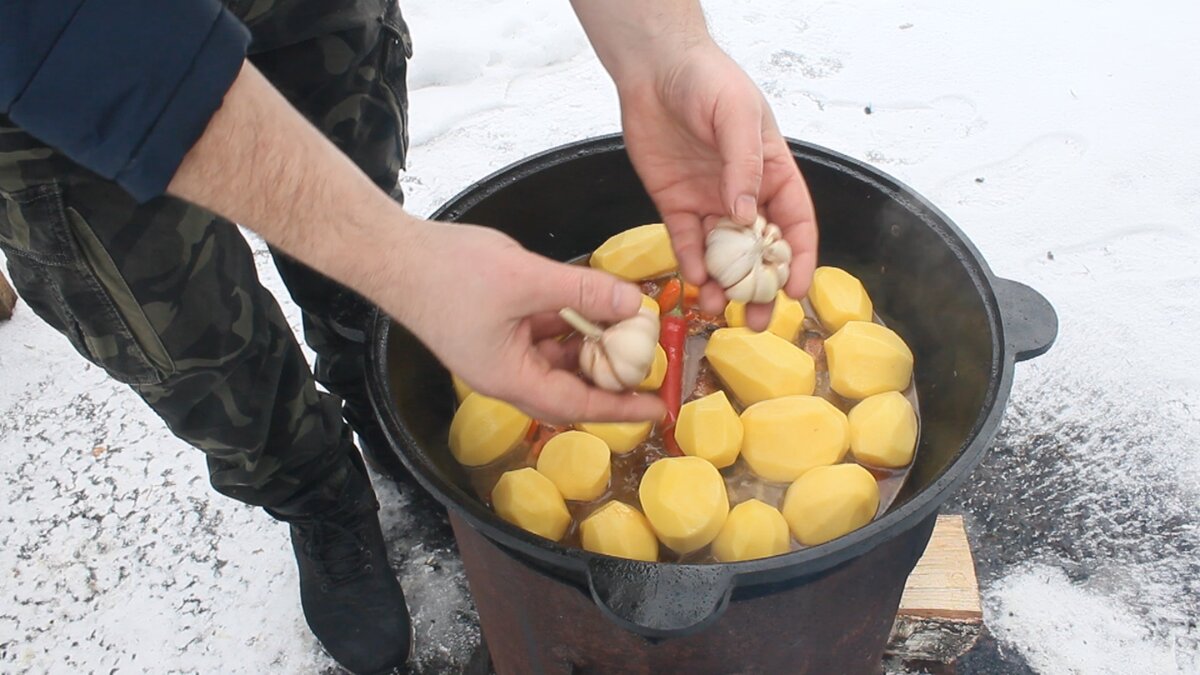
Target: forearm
471 294
630 35
261 164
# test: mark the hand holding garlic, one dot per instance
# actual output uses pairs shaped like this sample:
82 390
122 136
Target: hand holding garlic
750 263
619 357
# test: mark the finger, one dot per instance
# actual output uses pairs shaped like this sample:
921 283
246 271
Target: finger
802 238
758 315
687 238
712 298
710 223
547 325
597 295
561 354
790 206
738 125
558 396
803 263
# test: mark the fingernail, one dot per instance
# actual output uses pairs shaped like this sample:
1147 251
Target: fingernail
745 209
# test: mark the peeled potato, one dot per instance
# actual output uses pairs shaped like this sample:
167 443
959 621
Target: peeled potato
838 297
530 501
883 430
685 501
752 530
786 317
785 437
461 389
830 501
735 314
621 437
619 530
709 428
639 253
485 429
867 359
650 305
759 366
658 371
578 463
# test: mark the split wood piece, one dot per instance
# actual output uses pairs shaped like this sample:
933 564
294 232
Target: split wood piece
940 616
8 299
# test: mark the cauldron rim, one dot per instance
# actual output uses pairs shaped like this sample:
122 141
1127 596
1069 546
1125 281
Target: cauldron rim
1029 342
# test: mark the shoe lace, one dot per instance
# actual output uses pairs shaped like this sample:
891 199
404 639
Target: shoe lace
340 553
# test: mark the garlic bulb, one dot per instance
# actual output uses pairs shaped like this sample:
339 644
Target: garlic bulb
618 357
751 263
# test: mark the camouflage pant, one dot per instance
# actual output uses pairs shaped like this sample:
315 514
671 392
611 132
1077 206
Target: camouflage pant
164 295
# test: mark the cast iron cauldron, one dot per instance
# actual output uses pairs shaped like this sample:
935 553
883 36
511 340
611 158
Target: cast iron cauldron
829 608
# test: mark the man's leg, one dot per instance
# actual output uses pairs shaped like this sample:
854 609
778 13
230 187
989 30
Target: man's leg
351 85
164 296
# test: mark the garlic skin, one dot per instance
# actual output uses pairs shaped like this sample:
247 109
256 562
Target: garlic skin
751 263
619 357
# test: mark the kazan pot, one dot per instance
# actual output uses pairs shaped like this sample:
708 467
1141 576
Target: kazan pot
546 608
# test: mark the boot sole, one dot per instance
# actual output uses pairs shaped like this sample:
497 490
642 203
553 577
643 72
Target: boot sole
402 668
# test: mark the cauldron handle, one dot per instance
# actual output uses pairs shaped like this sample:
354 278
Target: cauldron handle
659 600
1030 322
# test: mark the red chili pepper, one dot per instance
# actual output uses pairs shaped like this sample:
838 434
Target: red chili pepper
669 298
671 293
673 337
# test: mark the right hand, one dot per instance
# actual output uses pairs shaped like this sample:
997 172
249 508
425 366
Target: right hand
706 145
488 309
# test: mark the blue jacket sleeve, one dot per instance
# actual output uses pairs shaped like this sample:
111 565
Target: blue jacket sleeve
123 87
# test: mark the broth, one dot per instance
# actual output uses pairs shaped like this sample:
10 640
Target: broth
699 380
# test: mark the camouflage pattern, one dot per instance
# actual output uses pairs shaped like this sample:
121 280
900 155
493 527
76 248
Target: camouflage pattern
164 295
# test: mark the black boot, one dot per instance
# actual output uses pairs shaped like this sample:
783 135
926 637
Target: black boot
351 598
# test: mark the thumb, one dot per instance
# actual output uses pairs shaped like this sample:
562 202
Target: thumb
597 295
738 127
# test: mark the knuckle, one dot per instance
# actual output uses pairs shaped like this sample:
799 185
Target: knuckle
589 289
753 165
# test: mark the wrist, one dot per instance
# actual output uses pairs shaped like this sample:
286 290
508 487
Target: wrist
638 42
654 65
377 252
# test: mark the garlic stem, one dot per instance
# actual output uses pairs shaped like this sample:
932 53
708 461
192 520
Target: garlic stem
579 323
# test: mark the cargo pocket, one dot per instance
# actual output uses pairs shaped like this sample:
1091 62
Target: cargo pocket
65 275
396 50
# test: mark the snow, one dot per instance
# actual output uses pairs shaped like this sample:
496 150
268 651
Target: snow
1060 137
1104 636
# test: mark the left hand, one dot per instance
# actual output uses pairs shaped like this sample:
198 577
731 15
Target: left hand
706 145
488 309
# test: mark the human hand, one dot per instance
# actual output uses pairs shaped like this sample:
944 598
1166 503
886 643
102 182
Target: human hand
485 306
706 145
488 309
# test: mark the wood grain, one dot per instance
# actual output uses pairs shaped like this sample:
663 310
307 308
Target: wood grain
943 584
940 615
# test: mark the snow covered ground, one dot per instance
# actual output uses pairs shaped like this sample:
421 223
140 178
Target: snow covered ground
1060 136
